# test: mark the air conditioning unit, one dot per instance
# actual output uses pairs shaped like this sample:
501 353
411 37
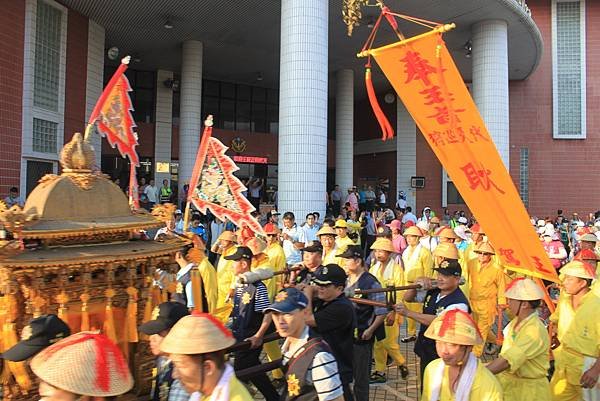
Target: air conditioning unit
417 182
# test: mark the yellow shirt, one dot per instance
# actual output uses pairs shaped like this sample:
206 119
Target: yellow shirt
579 330
485 386
225 276
237 391
209 283
262 261
487 285
343 243
329 257
421 266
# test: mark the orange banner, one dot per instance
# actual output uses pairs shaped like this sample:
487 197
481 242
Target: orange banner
425 77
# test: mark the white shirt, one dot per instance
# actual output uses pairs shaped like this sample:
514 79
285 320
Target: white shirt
401 204
382 198
308 234
152 193
322 372
292 255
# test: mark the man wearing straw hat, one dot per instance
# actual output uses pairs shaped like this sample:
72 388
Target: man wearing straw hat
196 345
389 272
487 282
164 386
522 366
327 236
417 263
447 296
312 371
84 367
274 249
250 322
576 360
457 374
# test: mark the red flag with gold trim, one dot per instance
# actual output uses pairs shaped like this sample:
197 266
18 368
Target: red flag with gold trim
112 114
213 185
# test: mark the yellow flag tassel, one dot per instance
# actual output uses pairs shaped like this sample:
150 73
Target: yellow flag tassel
196 279
62 300
9 337
131 320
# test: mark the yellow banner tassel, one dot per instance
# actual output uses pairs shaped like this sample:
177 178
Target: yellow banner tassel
196 279
9 336
62 299
131 313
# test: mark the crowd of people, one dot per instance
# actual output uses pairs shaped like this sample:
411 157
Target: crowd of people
338 292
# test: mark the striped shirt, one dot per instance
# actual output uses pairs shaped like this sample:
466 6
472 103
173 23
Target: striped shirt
261 296
322 372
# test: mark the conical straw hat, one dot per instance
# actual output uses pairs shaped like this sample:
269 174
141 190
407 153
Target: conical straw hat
413 230
198 333
524 289
85 363
446 232
485 247
577 268
455 327
326 230
446 250
383 244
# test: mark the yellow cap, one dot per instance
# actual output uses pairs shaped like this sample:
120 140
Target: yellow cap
577 268
524 289
446 250
485 247
455 327
413 230
227 236
383 244
341 224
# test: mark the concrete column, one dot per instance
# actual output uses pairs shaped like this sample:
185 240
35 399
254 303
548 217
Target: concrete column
344 129
490 80
94 81
164 124
406 154
190 124
303 107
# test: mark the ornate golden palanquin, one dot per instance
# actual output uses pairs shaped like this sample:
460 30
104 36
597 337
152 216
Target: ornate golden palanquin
78 251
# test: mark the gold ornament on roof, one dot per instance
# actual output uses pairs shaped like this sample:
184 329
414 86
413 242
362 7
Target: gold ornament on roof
164 212
77 155
14 219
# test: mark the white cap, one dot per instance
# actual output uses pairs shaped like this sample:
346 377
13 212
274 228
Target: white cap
178 211
462 220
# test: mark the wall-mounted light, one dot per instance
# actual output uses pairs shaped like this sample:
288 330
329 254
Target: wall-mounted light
259 76
112 53
168 24
468 48
389 98
172 84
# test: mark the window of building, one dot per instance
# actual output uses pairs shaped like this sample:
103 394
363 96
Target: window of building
35 170
568 69
44 136
524 176
46 68
143 94
450 194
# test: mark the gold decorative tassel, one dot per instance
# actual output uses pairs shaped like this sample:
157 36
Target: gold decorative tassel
131 319
109 319
85 316
62 299
9 336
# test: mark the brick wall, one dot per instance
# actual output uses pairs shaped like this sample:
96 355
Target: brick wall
76 74
12 21
562 174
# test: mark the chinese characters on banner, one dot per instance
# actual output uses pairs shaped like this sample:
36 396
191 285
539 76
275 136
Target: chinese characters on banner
425 77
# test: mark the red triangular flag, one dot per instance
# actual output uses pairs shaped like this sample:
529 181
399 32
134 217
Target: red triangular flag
113 114
213 185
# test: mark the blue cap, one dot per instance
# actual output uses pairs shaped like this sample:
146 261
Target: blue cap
288 300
